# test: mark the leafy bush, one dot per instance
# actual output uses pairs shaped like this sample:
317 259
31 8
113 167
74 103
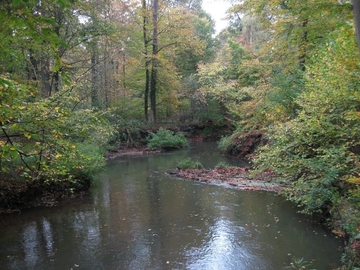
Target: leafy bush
188 163
91 160
166 139
127 132
52 142
318 152
299 263
225 143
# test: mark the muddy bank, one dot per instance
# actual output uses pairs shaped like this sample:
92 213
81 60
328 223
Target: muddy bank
244 145
130 151
232 177
16 195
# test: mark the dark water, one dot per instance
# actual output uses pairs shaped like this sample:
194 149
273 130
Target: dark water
138 217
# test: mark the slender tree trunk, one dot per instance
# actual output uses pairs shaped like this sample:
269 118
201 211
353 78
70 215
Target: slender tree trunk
45 77
106 86
154 63
303 44
356 10
32 67
94 79
146 54
123 70
146 96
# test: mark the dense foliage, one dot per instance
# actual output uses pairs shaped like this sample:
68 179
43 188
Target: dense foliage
188 163
300 84
167 140
318 151
42 139
75 75
77 78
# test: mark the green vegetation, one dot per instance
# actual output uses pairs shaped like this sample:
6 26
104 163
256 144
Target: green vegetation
302 87
77 80
188 163
167 140
299 264
45 141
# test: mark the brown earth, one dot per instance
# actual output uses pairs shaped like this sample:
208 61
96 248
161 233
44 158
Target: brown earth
130 151
16 194
232 177
246 144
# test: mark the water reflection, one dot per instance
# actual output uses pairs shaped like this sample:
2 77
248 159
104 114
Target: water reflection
137 217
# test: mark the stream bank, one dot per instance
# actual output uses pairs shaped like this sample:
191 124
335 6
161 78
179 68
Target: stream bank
232 177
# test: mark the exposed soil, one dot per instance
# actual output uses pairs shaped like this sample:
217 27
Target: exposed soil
232 177
20 194
130 151
245 145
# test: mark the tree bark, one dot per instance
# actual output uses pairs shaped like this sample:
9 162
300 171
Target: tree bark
146 53
303 45
154 63
356 11
94 79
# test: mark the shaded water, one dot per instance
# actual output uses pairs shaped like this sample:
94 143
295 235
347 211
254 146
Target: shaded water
138 217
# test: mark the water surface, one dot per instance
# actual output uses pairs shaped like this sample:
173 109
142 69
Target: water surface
139 217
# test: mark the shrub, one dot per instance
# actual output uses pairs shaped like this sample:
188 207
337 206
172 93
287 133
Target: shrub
225 144
53 143
317 153
189 164
167 140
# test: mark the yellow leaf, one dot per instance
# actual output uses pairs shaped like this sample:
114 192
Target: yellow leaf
353 180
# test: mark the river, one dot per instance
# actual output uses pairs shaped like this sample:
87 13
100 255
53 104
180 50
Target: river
139 217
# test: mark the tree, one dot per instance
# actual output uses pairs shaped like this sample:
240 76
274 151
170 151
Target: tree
356 10
154 62
39 136
170 36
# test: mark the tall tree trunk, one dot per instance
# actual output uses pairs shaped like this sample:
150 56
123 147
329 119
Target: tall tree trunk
106 87
303 45
146 54
32 67
94 79
146 96
154 62
356 10
45 86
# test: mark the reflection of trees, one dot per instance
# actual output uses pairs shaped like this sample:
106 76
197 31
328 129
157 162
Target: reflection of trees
140 219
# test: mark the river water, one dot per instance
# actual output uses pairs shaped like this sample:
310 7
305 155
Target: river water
139 217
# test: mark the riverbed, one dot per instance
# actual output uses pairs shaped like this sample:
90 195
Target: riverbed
137 216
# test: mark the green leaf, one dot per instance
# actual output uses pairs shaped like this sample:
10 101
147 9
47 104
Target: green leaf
16 2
